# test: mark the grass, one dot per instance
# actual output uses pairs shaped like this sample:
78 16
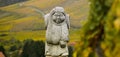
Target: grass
22 35
36 35
43 4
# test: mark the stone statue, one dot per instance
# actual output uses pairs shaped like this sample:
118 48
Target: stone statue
57 25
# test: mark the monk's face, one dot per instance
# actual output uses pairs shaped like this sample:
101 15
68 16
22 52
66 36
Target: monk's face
58 17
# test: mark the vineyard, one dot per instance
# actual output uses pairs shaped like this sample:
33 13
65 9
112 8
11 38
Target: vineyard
94 32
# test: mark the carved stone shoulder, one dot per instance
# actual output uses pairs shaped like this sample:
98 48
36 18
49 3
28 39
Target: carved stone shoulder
68 21
46 19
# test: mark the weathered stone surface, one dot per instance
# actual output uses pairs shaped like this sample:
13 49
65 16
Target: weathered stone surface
57 24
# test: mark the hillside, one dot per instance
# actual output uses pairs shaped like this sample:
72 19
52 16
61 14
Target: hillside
20 19
9 2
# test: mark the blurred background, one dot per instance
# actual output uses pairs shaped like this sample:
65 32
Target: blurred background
94 32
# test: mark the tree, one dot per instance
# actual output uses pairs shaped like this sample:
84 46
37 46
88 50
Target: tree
2 50
101 31
13 48
33 49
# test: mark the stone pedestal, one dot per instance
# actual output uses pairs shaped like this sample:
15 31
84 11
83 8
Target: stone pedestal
56 50
58 56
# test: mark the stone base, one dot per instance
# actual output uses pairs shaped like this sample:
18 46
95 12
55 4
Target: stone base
55 50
